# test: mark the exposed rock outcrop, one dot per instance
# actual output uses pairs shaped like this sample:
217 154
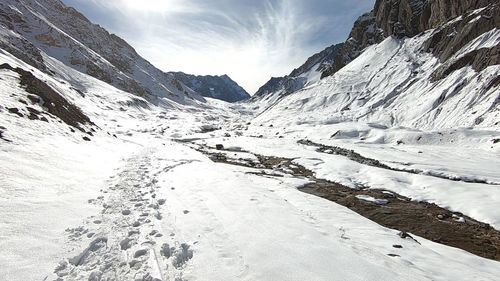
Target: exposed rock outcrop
438 12
50 99
399 17
365 32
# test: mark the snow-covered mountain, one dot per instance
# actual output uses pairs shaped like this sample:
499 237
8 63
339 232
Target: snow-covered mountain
324 63
31 27
308 73
438 67
217 87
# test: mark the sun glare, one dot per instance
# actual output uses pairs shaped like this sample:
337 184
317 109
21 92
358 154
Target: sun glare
151 5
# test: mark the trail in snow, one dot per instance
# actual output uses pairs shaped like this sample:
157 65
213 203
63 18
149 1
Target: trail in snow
126 241
172 214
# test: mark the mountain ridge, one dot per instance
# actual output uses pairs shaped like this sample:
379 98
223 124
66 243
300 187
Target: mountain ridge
441 69
408 18
64 33
213 86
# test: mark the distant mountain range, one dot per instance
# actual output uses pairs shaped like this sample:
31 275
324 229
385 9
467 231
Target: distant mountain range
217 87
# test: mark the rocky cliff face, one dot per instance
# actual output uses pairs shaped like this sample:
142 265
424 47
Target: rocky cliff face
399 17
457 23
217 87
365 32
450 42
408 18
437 12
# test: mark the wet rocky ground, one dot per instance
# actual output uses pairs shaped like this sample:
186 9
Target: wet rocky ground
384 207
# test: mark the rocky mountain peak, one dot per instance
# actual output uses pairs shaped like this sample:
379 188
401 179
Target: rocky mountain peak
307 73
365 32
217 87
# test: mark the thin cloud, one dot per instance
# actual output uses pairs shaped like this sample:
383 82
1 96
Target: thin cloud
248 40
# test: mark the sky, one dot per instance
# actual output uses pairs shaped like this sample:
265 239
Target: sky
249 40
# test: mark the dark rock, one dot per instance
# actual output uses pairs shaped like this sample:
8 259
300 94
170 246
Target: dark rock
14 110
34 99
53 101
219 146
438 12
478 59
364 33
404 235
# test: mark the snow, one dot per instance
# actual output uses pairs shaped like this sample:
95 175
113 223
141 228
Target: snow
487 40
373 200
234 225
477 200
266 226
139 201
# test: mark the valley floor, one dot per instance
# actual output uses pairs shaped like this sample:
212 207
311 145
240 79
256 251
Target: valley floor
149 205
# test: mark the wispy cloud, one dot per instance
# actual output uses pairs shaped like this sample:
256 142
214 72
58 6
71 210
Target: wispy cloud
248 40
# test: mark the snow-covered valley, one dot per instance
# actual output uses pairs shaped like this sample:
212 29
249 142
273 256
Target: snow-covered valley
377 172
106 208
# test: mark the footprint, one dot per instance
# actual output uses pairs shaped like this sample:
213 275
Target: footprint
126 243
140 253
166 251
182 255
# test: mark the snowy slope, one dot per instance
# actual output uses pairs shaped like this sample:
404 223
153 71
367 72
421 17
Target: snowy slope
308 73
391 84
50 169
